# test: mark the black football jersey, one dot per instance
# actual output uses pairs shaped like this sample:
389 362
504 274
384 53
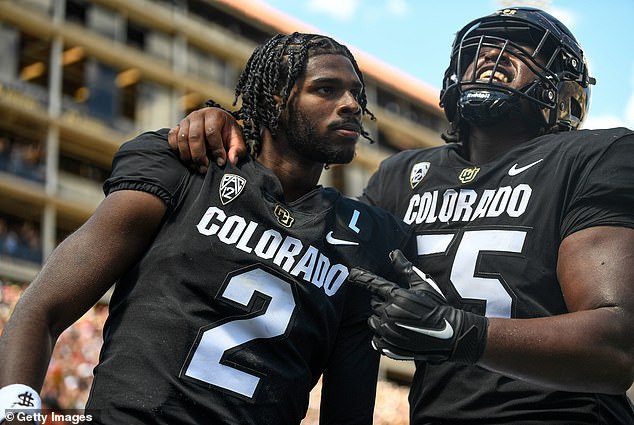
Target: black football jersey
489 235
241 302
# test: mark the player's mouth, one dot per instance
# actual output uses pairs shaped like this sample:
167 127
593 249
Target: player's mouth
348 130
495 77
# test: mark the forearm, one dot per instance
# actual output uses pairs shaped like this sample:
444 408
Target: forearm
66 287
588 351
25 351
78 272
52 302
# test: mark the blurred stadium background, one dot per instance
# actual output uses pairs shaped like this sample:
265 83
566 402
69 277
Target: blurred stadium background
80 77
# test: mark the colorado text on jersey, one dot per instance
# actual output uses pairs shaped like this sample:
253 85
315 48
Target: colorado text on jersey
467 204
284 251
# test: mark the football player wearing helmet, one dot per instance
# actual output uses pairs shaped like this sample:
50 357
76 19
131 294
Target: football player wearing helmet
525 228
231 298
526 225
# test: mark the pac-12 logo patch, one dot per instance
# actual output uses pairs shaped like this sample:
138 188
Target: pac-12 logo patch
284 216
231 186
418 172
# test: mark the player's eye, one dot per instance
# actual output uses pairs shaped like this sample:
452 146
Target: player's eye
325 90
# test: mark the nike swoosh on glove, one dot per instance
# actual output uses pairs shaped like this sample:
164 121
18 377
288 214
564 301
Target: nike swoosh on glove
418 323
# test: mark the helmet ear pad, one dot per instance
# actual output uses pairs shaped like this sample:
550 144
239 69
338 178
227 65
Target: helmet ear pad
573 102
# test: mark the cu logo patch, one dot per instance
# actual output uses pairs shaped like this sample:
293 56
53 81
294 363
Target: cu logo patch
468 174
284 216
231 186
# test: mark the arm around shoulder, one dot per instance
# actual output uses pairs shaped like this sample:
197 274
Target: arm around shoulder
207 132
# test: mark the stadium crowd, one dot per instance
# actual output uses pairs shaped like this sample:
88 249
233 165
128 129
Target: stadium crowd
22 158
20 239
70 372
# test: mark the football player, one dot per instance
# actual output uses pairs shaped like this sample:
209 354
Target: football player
525 227
231 298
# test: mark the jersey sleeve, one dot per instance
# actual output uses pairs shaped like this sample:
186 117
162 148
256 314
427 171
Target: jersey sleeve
350 378
146 164
605 194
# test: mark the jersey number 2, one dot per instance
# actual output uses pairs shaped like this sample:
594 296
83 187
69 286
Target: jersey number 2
206 362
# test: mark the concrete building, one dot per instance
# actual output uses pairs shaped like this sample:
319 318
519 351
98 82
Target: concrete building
80 77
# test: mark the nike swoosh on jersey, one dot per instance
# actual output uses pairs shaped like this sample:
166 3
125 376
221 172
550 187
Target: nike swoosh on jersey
515 170
444 333
334 241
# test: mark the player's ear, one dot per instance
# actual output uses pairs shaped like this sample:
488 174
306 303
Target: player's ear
296 88
278 104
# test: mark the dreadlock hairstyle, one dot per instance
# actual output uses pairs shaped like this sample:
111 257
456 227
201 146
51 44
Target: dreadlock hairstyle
272 70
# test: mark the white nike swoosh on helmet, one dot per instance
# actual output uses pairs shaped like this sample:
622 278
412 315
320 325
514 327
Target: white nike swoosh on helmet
334 241
515 170
444 333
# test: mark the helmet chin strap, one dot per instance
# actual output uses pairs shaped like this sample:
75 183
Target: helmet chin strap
484 106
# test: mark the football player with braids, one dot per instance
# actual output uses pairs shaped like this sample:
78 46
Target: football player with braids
259 89
231 298
262 102
525 229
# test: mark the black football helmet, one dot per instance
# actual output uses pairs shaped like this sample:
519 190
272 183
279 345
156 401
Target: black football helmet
561 91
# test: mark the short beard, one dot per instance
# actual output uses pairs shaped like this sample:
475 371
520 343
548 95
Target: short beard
303 139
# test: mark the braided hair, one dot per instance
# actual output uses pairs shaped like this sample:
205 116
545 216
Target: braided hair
272 70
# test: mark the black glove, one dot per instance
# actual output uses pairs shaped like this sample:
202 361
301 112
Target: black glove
418 323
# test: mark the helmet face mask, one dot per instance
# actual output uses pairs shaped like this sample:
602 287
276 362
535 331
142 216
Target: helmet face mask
559 88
